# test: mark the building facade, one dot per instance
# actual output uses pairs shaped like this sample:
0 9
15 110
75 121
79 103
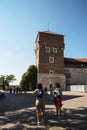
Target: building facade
75 71
50 58
51 65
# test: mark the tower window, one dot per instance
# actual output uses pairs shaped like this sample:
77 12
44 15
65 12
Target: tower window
51 59
47 49
54 50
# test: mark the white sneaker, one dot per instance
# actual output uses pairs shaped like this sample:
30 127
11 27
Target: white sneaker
38 123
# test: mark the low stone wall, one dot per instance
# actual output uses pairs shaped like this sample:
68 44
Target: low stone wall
81 88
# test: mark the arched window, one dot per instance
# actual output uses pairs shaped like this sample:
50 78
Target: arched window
51 71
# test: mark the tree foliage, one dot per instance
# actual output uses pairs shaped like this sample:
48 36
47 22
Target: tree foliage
29 78
5 80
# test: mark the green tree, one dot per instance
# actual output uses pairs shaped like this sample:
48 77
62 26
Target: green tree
2 81
24 81
10 78
29 78
5 80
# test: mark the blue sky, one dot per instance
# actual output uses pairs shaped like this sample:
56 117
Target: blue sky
21 20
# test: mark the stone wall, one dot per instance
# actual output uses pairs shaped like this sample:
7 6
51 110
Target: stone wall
47 79
78 76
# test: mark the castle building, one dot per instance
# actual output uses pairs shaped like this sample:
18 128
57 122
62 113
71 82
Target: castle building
75 71
51 65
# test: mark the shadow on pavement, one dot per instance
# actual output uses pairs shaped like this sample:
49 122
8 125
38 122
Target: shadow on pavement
16 102
17 112
24 100
49 100
69 97
71 120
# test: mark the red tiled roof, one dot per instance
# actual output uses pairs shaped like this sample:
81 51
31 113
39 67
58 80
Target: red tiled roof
82 59
74 60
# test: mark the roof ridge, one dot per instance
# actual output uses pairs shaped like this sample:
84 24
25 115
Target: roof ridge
50 32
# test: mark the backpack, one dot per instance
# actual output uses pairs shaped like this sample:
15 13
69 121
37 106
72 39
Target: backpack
40 93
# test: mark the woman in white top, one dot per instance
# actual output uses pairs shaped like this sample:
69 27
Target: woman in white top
57 99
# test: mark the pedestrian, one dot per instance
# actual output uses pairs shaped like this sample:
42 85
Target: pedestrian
45 96
51 89
2 95
57 99
39 102
45 93
10 90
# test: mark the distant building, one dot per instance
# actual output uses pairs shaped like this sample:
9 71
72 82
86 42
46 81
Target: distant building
76 71
51 65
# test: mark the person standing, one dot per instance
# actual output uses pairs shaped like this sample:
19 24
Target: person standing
57 99
51 89
45 96
40 107
2 95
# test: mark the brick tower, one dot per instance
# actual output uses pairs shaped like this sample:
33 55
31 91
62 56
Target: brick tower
50 58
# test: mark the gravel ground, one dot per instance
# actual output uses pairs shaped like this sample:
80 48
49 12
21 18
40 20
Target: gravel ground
17 112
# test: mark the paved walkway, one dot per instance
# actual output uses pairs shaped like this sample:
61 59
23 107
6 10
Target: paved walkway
17 112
